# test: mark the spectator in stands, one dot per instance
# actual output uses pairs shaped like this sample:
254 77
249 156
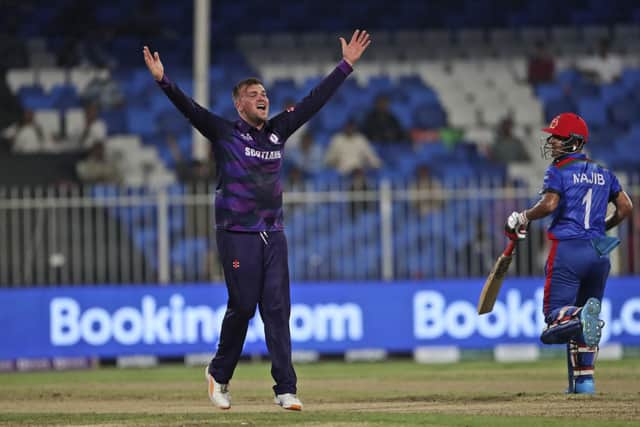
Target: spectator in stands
603 66
507 147
26 136
381 125
541 67
307 155
176 159
96 168
349 150
92 131
198 172
295 180
189 170
358 186
10 107
429 191
104 92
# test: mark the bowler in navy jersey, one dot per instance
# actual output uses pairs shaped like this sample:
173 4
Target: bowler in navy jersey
249 218
575 193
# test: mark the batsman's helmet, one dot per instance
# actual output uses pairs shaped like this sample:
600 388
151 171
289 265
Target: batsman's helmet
569 127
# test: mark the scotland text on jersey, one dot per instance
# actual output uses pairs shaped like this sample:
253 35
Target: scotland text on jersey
265 155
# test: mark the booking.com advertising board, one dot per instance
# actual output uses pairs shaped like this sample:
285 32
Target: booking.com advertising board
325 317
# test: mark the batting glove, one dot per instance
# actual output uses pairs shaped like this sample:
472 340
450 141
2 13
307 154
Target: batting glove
516 226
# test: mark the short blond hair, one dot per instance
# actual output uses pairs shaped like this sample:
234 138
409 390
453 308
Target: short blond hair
235 94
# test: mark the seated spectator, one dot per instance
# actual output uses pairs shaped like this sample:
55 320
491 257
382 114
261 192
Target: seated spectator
507 147
349 150
603 66
429 188
176 158
197 172
10 107
307 155
381 125
541 65
104 92
91 132
295 179
96 168
358 186
26 136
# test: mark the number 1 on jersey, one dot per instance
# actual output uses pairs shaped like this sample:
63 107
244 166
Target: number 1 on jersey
586 200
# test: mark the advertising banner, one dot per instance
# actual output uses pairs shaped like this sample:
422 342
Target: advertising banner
110 321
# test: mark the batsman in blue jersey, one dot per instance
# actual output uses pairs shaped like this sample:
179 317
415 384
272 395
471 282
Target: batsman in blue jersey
575 192
249 221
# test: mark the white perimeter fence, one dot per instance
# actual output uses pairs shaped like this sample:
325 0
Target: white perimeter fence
385 231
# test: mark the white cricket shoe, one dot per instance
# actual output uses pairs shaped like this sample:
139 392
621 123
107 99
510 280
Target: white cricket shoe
218 393
288 401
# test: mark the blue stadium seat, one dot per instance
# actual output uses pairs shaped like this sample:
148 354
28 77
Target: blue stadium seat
64 97
624 112
141 121
115 120
429 116
189 253
593 111
34 98
557 106
548 92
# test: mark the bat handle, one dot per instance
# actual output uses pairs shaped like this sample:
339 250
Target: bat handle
510 248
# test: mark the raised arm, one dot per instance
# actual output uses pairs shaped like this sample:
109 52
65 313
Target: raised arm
289 121
202 119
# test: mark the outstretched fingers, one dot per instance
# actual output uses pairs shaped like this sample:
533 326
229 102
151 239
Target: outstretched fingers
361 37
153 63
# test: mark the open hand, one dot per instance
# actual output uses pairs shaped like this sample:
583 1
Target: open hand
353 50
153 63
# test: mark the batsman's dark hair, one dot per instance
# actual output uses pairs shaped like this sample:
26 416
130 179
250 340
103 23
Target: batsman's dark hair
235 94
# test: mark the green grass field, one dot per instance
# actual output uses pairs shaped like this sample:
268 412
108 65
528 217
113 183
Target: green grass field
335 394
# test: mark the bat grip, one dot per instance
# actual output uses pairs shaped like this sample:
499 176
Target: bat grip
510 248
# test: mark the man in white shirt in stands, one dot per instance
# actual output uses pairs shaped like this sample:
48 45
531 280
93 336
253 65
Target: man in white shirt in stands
26 136
349 150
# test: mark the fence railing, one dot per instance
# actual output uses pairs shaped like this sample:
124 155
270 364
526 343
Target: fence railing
382 231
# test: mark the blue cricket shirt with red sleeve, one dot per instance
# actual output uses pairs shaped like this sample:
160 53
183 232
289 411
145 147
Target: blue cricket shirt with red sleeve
249 160
585 188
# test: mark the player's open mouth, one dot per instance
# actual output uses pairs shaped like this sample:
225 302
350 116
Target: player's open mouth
261 107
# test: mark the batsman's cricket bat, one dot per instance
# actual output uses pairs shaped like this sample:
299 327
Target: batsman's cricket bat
494 281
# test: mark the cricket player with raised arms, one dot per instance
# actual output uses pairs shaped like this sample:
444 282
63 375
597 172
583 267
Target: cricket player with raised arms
575 192
249 218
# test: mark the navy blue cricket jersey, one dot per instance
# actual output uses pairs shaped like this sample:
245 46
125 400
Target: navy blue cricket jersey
249 160
585 188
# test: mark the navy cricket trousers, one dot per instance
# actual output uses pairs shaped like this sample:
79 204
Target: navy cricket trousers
256 272
574 273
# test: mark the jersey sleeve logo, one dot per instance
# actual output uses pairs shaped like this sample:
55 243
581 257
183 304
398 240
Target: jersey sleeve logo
236 264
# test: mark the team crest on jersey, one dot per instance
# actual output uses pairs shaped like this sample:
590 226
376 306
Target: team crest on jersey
274 138
236 264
